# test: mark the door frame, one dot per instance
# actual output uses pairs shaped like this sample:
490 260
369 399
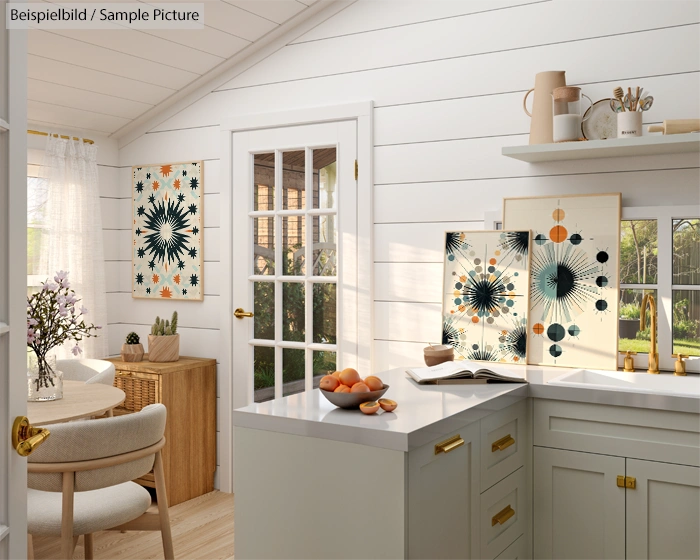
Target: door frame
362 113
13 317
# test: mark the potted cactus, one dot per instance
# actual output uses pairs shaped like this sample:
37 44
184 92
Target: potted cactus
164 342
132 350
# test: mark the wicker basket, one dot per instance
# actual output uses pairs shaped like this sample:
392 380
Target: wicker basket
139 391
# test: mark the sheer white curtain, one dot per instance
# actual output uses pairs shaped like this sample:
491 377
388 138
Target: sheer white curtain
73 243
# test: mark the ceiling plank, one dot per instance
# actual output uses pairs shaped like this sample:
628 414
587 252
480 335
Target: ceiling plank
94 80
235 21
57 47
69 117
208 40
47 92
278 11
149 47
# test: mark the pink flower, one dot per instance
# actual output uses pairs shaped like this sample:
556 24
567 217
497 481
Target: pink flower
76 350
71 299
30 336
52 287
61 299
83 310
31 322
62 311
61 275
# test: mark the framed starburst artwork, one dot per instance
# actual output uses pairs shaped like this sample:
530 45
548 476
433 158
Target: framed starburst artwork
486 295
167 259
574 281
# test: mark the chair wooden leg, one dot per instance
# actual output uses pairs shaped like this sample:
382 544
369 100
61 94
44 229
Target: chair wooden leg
109 413
67 545
162 497
89 547
30 547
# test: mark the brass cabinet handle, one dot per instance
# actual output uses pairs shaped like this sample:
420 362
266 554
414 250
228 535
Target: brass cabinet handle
501 444
502 516
626 482
449 445
124 373
239 313
25 437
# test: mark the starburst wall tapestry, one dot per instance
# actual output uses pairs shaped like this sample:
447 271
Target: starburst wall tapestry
574 278
167 231
485 297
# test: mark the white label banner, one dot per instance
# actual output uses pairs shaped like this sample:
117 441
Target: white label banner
114 16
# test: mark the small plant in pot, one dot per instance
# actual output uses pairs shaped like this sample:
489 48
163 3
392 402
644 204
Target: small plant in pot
132 350
164 342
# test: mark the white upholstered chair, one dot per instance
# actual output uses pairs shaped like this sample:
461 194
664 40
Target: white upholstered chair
87 370
80 480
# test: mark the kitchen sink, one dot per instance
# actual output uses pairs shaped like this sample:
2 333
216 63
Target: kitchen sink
663 384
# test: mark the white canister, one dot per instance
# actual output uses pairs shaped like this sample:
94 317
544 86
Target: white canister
629 124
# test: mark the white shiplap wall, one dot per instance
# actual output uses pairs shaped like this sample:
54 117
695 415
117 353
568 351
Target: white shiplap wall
447 78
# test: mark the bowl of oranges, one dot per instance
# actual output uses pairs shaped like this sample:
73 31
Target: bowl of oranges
346 389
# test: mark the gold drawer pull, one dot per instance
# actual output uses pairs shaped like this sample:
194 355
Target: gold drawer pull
449 445
501 444
124 373
502 516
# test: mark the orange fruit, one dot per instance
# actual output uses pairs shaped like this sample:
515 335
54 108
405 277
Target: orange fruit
374 383
359 388
329 383
336 374
349 377
342 389
387 404
369 407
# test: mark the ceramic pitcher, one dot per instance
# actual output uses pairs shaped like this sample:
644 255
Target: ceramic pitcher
541 123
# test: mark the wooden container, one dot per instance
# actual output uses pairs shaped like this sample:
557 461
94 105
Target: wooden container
132 352
163 348
434 355
187 388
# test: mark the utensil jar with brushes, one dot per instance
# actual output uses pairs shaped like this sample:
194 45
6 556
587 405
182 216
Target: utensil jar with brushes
567 114
629 122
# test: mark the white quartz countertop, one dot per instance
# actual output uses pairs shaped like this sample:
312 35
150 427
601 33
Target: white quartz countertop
427 412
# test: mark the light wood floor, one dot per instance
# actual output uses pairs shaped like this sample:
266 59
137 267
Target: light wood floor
202 530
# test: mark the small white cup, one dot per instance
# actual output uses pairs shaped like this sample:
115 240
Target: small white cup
629 124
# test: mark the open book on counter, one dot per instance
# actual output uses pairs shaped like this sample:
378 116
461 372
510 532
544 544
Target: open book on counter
464 371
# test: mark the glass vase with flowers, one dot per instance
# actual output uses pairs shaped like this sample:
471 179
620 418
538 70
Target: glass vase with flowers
53 317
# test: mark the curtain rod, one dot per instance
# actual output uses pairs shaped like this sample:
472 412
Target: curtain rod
40 133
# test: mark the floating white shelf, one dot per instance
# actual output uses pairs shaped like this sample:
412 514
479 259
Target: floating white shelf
615 147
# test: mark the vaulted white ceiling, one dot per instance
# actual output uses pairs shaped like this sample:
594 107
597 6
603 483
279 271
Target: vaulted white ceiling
101 80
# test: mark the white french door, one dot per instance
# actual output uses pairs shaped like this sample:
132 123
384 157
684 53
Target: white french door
13 263
294 223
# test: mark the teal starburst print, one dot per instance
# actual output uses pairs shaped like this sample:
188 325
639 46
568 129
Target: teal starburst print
167 231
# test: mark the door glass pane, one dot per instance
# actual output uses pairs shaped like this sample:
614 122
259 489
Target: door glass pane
325 181
638 252
324 313
325 237
264 181
293 371
324 364
686 322
686 252
293 182
264 246
263 373
293 312
293 235
264 310
631 337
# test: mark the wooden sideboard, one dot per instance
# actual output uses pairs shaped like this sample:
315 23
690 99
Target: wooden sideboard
188 390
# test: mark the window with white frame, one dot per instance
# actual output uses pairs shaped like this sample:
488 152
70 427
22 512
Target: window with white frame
660 255
37 191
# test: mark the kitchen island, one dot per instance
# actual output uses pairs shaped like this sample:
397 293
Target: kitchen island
450 473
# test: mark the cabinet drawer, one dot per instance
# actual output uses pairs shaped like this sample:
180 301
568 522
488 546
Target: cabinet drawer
657 435
503 443
516 551
504 512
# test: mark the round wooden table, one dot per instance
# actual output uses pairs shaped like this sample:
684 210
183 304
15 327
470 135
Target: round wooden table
80 400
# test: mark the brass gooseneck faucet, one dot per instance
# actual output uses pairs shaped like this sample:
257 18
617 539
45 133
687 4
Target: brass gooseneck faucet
648 300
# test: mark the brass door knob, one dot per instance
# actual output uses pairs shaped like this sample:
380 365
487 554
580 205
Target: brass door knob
239 313
25 437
